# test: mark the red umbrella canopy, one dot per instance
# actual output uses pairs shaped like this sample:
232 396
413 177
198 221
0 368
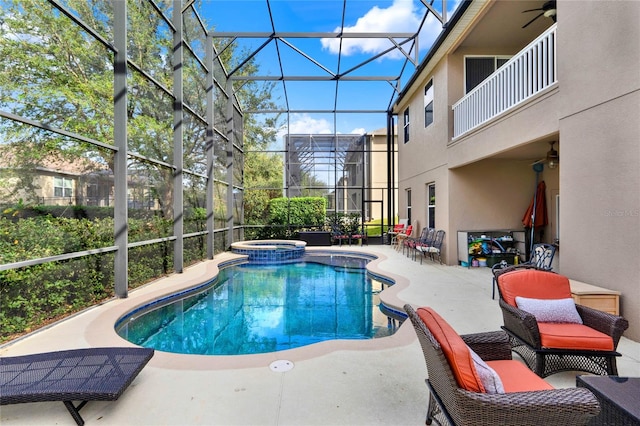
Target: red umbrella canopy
540 217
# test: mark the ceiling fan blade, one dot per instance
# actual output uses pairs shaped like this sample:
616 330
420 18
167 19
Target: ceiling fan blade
527 24
542 160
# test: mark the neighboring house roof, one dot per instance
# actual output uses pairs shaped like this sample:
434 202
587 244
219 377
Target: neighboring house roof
77 167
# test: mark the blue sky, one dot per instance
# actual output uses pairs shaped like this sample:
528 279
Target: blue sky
325 16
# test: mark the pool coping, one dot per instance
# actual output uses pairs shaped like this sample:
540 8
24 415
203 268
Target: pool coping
101 330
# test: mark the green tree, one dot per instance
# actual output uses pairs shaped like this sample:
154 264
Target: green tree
56 73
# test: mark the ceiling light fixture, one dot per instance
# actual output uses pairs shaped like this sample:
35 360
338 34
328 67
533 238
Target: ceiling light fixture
553 159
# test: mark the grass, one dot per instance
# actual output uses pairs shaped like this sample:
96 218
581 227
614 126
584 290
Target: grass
376 228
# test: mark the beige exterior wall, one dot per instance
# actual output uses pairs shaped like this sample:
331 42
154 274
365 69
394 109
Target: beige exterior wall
600 161
379 171
485 178
422 159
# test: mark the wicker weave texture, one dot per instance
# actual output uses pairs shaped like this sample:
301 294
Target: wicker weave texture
71 375
523 329
550 407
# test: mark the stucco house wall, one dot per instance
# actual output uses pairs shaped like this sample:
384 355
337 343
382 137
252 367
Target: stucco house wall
600 161
485 179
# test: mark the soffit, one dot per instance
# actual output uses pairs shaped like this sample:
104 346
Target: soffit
501 26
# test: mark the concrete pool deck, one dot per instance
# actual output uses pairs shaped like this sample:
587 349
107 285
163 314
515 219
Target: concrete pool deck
348 382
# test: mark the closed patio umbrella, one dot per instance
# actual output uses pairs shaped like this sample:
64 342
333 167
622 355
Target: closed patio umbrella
536 214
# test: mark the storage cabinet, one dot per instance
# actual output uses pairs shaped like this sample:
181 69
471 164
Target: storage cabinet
595 297
492 245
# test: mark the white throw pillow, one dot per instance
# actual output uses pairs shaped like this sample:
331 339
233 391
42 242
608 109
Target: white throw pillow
550 310
488 376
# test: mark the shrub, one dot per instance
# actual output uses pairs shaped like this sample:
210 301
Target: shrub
298 212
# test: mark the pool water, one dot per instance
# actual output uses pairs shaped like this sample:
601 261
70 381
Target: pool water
260 308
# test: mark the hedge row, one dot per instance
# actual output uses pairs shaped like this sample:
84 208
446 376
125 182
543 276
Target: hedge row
33 296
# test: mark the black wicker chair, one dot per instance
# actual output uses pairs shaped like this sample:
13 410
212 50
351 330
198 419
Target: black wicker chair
542 256
526 339
450 404
95 374
424 240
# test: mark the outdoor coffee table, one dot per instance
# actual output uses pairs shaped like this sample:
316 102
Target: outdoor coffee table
619 399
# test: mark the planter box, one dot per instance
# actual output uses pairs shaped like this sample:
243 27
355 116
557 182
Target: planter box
316 238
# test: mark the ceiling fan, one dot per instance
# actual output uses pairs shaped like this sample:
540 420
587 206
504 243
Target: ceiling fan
548 10
552 159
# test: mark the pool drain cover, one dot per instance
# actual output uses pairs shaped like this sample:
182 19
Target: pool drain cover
281 365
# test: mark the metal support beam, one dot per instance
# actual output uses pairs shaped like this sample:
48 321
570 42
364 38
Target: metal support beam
273 35
209 146
178 111
313 78
120 212
229 126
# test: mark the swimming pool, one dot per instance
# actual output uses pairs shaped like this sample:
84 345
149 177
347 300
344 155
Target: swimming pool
259 308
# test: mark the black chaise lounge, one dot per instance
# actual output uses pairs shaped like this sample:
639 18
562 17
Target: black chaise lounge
95 374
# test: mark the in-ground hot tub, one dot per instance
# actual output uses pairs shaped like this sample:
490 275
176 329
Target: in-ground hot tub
270 250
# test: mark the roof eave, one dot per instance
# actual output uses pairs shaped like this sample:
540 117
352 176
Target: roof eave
442 37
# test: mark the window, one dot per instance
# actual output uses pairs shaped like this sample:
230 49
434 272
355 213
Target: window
408 207
406 125
428 103
431 205
478 68
62 187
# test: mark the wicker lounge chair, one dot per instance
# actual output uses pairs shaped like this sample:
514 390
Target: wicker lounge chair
586 341
528 400
95 374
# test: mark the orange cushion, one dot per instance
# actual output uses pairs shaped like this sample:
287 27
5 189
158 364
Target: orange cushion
573 336
533 284
516 377
454 348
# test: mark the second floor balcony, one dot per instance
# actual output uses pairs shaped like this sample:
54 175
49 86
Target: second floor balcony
529 72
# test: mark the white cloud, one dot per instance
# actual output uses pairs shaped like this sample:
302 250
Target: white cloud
358 131
305 124
401 16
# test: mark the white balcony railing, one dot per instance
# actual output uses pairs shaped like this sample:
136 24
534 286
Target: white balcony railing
532 70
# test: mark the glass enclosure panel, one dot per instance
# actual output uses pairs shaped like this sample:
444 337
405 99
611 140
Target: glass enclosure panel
149 262
150 42
150 124
237 129
149 201
195 213
219 73
220 110
237 207
67 85
238 166
220 205
55 194
194 144
194 81
96 12
220 241
220 153
194 34
195 249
